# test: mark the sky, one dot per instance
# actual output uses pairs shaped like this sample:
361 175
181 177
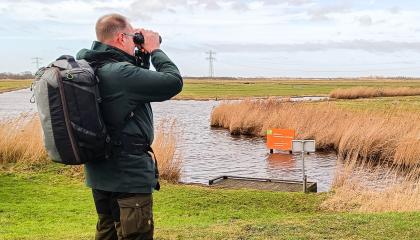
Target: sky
262 38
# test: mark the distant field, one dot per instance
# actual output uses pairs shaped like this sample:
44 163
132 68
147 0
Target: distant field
231 89
10 85
410 103
252 87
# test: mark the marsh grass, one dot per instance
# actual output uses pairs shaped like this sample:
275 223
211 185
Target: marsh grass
22 148
395 189
381 169
379 136
21 141
165 146
370 92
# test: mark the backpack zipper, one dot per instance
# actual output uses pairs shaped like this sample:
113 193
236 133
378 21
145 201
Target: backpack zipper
66 116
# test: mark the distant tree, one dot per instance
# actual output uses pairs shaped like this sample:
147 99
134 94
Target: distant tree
22 75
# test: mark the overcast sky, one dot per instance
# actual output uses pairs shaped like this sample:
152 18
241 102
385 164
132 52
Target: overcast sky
295 38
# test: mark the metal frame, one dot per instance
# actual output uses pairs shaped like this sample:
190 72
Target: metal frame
302 153
220 178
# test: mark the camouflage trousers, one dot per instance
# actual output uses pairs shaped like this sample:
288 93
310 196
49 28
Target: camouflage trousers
123 216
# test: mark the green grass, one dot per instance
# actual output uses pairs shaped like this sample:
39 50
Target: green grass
47 205
232 89
222 89
409 103
10 85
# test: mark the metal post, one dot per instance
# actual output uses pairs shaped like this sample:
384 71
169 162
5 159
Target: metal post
303 169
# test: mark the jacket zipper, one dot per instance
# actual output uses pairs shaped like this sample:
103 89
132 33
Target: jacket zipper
66 117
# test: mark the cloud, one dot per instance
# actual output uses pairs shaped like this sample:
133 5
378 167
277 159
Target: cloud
365 20
395 10
363 45
320 13
146 9
289 2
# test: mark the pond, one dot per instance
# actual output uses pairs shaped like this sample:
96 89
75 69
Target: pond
210 152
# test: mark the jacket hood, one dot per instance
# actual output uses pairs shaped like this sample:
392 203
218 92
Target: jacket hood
101 52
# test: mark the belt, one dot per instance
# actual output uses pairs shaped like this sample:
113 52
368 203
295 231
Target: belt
135 145
132 144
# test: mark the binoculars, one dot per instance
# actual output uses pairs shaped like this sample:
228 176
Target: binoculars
138 38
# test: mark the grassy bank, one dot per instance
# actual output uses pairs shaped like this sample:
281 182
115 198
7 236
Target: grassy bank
47 205
10 85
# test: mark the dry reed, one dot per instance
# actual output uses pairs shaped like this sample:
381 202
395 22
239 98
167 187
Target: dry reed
369 92
369 135
165 147
394 191
21 141
22 148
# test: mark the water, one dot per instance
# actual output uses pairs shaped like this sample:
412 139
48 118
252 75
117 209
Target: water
211 152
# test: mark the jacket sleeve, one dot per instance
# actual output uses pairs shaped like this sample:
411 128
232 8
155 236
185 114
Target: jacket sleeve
143 85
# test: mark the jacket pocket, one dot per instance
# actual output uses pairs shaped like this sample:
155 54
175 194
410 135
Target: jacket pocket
135 215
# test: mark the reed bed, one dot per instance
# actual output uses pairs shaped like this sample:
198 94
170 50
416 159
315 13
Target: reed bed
395 189
369 92
22 147
379 136
21 141
165 147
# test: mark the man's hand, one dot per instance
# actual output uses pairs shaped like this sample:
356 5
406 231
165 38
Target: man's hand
151 40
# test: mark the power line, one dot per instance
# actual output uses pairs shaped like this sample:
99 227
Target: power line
211 59
37 62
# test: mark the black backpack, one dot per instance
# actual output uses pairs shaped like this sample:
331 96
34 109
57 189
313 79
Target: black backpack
67 97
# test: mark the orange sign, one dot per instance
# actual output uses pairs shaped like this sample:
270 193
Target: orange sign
280 139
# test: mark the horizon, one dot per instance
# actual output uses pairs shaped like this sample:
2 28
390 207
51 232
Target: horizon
252 39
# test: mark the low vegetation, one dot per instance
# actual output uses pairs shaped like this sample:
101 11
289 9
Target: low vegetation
22 149
165 146
397 105
49 206
253 87
7 85
239 88
380 136
368 92
394 190
21 142
376 146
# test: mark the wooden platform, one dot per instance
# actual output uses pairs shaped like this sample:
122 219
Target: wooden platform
261 184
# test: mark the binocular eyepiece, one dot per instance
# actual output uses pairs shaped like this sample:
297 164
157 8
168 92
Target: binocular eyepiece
138 38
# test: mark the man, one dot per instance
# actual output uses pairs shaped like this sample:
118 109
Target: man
123 184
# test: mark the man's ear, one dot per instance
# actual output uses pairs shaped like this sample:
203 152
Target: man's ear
121 38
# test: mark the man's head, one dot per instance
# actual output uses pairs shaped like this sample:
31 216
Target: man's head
111 29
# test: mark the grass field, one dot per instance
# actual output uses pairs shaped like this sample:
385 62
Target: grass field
233 89
47 205
10 85
409 103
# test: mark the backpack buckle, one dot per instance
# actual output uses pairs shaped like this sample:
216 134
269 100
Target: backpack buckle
69 76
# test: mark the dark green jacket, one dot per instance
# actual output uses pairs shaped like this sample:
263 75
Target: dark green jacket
126 89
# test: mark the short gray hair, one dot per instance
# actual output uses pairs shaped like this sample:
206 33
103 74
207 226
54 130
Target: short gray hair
109 25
